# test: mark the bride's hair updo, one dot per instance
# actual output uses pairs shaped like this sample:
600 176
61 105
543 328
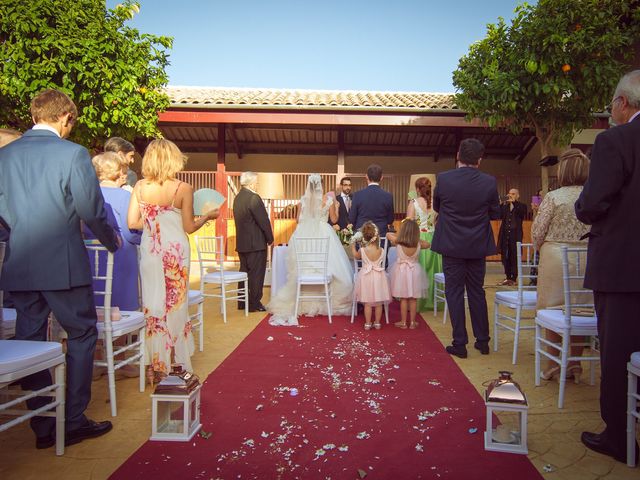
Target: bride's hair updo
315 179
423 189
369 232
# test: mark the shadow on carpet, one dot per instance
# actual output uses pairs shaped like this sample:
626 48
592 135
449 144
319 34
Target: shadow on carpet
382 404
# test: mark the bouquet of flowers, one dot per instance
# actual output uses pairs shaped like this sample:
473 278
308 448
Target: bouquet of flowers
345 235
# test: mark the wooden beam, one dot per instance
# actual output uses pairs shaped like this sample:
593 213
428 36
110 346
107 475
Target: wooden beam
234 139
527 148
340 169
221 185
458 139
204 117
330 148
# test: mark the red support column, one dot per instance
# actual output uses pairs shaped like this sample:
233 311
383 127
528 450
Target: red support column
221 186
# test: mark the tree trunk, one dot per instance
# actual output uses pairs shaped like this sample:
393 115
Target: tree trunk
544 180
547 148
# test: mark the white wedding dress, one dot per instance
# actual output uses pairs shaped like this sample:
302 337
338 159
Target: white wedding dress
313 223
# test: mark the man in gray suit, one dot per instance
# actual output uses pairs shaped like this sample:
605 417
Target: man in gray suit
47 187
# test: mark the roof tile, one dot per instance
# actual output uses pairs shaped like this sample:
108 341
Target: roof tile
326 99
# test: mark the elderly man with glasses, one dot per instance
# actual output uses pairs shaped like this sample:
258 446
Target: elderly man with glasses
609 203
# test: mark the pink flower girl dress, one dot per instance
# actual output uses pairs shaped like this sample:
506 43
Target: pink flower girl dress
372 286
408 278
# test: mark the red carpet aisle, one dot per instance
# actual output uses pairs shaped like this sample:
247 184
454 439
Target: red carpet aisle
388 403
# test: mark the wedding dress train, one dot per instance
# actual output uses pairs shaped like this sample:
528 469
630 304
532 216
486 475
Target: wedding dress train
313 223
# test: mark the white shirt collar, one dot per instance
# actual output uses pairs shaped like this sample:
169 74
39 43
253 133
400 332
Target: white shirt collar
373 183
44 126
634 116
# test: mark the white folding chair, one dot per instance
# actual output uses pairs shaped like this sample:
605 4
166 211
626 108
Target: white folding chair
21 358
357 264
131 323
633 406
438 295
567 321
211 256
312 256
522 299
196 299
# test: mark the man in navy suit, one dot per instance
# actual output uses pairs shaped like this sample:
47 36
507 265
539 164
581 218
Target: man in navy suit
609 203
372 203
47 187
344 200
466 201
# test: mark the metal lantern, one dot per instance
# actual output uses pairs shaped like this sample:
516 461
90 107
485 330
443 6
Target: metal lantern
503 395
176 408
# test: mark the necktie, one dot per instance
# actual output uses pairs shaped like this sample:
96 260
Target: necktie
347 202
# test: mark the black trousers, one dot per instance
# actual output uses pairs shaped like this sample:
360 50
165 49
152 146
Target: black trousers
255 264
76 312
619 333
509 255
461 274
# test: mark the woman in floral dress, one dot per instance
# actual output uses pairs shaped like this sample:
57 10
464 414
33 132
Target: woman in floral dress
162 207
420 210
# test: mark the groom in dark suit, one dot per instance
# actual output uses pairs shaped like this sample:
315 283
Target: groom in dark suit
253 234
47 187
466 200
609 203
372 203
344 199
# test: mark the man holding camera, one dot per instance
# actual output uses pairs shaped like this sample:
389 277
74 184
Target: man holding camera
512 213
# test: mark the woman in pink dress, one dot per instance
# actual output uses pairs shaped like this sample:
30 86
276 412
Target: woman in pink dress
372 286
408 279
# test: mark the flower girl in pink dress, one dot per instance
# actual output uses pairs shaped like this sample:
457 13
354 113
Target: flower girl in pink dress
372 286
408 279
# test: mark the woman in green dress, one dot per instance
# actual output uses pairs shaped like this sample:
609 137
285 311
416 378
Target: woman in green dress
420 210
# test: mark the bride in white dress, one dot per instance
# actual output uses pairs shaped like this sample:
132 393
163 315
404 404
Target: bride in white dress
312 222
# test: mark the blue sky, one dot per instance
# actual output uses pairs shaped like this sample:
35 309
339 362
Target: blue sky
383 45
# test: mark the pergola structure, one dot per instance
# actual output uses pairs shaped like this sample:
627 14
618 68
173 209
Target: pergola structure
327 122
340 123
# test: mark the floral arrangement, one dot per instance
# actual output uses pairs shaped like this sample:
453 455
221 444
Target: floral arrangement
345 235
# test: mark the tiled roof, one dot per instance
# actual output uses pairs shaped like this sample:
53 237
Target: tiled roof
221 97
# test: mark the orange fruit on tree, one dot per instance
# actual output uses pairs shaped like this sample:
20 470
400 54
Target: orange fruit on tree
566 67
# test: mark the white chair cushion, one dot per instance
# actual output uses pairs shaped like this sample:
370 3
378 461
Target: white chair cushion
17 355
129 322
229 276
195 297
635 359
554 320
9 316
315 279
439 277
8 323
529 297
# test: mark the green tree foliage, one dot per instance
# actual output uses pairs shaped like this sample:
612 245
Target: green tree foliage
113 73
551 69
